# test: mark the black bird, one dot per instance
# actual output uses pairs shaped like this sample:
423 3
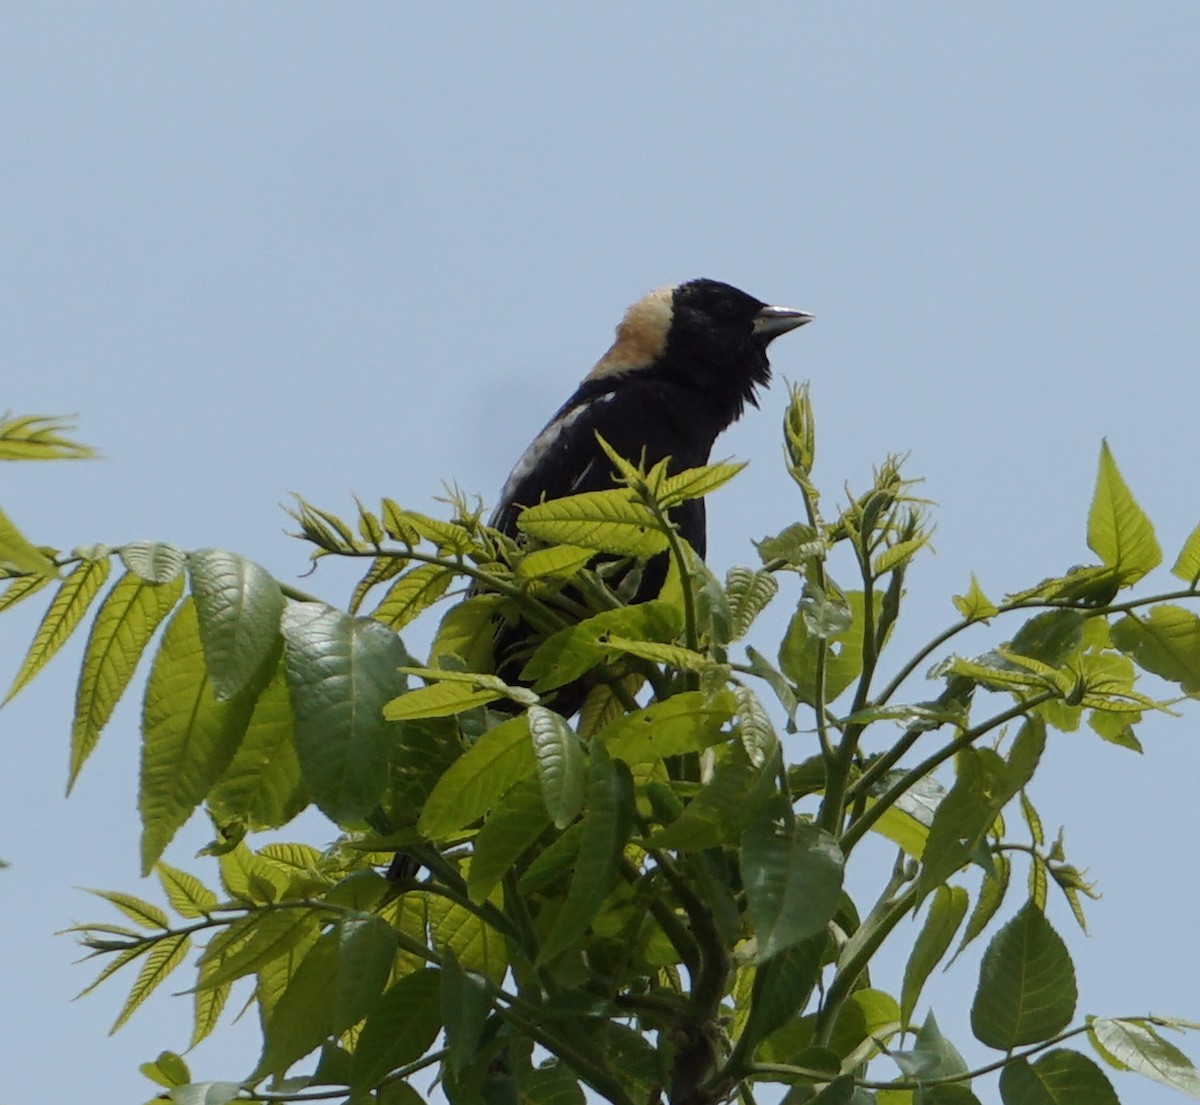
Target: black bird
686 361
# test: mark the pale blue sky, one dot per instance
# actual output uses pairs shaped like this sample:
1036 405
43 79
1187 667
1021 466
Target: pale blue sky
369 248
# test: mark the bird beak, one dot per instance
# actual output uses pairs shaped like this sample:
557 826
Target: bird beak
770 322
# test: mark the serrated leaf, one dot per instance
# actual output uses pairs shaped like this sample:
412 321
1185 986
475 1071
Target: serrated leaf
478 779
558 754
39 437
188 737
20 554
606 521
61 619
556 561
1164 640
694 483
140 912
1136 1045
843 649
466 631
946 913
303 1015
991 897
512 826
449 537
21 588
121 629
153 561
1118 530
262 787
366 950
413 593
607 825
569 653
793 880
749 592
444 698
466 999
399 1030
895 555
687 722
382 569
189 897
207 1006
754 727
239 605
1187 563
253 941
161 960
340 672
1059 1077
1026 991
468 938
975 606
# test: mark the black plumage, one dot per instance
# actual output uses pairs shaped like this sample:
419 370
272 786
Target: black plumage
685 362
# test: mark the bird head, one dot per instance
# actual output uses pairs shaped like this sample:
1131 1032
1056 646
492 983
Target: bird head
702 334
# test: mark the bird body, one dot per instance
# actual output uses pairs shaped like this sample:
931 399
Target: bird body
685 362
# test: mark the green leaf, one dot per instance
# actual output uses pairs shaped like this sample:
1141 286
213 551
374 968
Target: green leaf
514 824
253 941
569 653
167 1070
560 764
466 1001
606 521
382 569
1026 990
722 807
262 786
39 437
1059 1077
781 988
466 631
553 1084
239 605
933 1056
189 897
991 897
340 671
1164 640
946 913
478 779
207 1006
606 827
21 588
867 1017
687 722
842 636
1187 564
61 619
140 912
121 629
975 606
1118 530
20 555
161 960
399 1030
303 1016
473 943
444 698
413 593
793 881
1136 1045
558 561
153 561
188 737
749 592
693 483
366 949
754 727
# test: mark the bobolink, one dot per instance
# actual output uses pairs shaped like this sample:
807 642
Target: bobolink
685 362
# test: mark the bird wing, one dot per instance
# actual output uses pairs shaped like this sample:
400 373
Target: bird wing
643 420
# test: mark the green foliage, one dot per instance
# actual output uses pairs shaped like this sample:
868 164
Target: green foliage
649 902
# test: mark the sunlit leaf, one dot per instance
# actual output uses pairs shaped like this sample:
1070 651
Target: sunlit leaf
61 619
606 521
18 553
1118 530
